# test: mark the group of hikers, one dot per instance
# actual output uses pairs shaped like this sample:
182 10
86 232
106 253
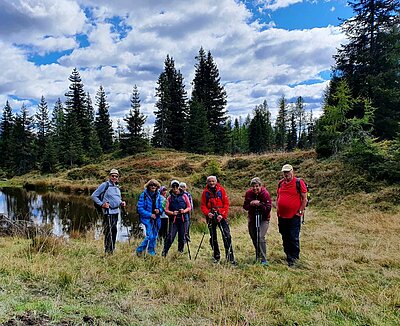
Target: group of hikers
165 214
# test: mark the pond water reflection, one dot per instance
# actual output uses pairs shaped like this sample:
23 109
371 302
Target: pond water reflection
66 213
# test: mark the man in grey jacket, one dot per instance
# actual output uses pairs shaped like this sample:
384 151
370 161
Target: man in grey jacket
108 197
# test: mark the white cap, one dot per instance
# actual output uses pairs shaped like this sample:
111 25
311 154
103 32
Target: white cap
287 168
173 182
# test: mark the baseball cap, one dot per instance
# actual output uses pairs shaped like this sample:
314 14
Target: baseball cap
287 168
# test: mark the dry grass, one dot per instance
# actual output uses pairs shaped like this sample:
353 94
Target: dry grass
349 272
348 275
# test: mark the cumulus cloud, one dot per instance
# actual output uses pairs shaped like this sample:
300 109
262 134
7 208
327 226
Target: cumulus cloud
127 43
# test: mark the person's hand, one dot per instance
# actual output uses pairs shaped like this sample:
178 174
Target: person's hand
106 205
255 202
153 216
210 215
219 218
123 203
181 210
156 211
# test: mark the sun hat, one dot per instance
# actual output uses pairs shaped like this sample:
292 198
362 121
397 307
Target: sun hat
114 171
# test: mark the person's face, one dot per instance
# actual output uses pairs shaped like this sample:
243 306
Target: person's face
256 188
114 177
175 188
164 192
152 187
212 182
288 175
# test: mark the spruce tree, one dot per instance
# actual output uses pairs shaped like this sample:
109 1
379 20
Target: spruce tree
56 128
260 130
103 122
208 91
370 61
6 143
171 115
42 122
134 141
292 133
76 120
281 125
23 151
198 136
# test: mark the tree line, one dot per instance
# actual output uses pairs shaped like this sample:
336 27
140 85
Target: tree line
360 120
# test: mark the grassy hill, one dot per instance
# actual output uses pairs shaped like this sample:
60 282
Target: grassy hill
349 271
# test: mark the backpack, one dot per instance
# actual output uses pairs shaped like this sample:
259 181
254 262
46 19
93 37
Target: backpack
218 194
98 208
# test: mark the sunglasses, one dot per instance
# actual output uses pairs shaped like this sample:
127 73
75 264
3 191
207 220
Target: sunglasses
114 176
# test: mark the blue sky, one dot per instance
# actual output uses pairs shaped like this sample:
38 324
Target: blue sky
264 49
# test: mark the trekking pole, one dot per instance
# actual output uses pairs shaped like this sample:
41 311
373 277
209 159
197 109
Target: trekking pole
187 243
228 254
198 249
258 234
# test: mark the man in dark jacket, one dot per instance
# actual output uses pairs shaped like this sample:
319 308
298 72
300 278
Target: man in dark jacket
257 202
215 207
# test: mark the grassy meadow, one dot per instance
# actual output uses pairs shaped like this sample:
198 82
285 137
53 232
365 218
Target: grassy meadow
349 271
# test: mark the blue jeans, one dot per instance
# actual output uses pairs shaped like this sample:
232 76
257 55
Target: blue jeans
289 228
152 226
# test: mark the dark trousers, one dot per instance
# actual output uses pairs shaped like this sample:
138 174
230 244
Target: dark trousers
174 228
110 232
226 237
289 228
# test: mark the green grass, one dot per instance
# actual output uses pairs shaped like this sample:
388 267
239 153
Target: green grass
349 271
349 274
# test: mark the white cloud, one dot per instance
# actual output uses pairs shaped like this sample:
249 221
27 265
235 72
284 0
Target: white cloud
256 61
279 4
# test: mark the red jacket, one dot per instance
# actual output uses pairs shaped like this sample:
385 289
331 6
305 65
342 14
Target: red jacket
217 200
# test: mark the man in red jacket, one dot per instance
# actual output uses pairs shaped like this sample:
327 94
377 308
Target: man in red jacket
215 207
290 205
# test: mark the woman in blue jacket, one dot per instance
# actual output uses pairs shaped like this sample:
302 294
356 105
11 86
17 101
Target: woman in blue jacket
150 209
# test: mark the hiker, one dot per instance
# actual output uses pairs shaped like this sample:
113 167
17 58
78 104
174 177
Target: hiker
150 209
108 197
290 205
178 205
257 202
184 187
215 207
163 232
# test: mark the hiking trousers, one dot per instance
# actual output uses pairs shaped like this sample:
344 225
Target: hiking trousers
289 228
177 227
262 244
149 243
110 232
226 237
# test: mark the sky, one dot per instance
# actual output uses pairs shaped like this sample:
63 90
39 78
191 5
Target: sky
264 49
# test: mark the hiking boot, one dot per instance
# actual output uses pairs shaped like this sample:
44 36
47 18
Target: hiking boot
215 260
264 263
152 254
139 253
164 253
233 262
